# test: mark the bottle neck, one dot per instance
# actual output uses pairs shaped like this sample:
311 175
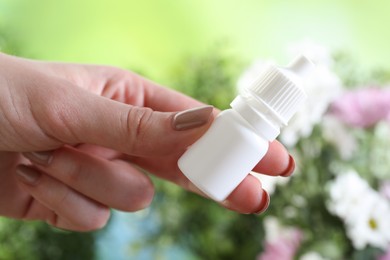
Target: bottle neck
258 116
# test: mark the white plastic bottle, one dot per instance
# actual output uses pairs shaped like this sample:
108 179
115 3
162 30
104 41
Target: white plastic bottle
239 137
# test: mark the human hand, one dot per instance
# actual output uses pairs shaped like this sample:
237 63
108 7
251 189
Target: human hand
74 138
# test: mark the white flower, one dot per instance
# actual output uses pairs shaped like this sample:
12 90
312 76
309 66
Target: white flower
312 256
345 194
336 133
371 226
364 211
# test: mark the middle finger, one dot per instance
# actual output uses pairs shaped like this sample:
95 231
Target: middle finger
113 183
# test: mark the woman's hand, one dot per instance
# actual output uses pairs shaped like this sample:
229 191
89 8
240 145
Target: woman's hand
74 138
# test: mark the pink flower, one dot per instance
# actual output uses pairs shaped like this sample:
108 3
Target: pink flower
363 107
384 189
385 256
284 248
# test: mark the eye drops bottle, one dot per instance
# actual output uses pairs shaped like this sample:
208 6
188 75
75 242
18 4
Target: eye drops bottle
239 137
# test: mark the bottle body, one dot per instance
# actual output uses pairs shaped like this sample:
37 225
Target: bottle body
239 137
223 156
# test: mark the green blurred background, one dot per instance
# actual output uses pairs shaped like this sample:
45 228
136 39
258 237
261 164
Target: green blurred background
153 35
199 47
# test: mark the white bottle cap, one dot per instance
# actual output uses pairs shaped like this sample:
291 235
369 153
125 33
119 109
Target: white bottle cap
281 90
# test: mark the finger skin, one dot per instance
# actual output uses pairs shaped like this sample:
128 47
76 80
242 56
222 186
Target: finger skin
247 198
122 85
275 162
113 183
77 116
65 208
49 110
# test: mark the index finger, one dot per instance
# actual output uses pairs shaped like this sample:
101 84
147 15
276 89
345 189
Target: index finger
140 91
164 99
122 85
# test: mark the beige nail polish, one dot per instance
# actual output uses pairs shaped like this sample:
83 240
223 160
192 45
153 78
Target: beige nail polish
42 158
192 118
27 174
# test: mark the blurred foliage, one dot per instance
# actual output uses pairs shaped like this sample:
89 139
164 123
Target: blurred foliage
202 227
303 203
354 75
7 45
38 241
140 34
210 78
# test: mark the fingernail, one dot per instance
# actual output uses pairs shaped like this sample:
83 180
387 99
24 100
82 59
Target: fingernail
43 158
290 168
264 203
27 174
192 118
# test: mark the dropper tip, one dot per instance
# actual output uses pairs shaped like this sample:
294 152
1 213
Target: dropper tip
301 65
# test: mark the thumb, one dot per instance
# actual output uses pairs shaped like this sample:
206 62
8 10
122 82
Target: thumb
140 131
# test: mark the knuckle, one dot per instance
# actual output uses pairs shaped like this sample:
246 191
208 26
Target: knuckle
73 173
61 199
138 122
67 168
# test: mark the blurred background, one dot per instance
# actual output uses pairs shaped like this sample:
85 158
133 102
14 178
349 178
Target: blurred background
153 36
203 48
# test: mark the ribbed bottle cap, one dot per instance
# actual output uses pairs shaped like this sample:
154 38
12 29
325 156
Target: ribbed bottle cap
281 90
